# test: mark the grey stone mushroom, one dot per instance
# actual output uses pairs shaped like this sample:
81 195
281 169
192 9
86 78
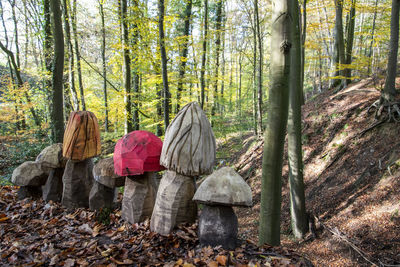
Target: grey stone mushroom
104 189
30 177
218 224
188 151
53 164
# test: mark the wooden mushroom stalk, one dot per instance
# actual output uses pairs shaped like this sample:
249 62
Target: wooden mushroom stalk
81 143
137 156
188 151
218 224
103 193
53 164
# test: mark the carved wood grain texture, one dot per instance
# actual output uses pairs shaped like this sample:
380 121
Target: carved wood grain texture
189 144
82 136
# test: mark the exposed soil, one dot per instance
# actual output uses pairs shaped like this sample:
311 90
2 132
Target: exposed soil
351 181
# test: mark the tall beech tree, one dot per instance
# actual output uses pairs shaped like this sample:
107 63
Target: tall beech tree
389 90
164 70
218 24
203 56
296 183
57 117
339 53
103 63
126 66
271 185
349 44
183 52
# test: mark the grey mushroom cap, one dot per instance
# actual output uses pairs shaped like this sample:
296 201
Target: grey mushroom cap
189 144
103 172
29 173
224 187
51 158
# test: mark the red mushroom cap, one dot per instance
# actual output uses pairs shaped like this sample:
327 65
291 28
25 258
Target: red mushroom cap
137 152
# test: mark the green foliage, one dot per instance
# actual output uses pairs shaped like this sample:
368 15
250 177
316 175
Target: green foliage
103 216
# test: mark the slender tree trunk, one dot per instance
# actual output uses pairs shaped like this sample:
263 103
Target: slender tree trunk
164 70
297 198
222 102
78 56
204 54
260 70
16 40
135 69
389 91
104 64
339 55
70 53
239 98
372 38
57 117
254 28
217 53
68 105
271 186
349 43
303 47
184 52
126 68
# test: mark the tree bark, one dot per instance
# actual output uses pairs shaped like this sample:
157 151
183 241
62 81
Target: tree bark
296 183
183 53
104 64
57 117
217 53
372 38
71 69
349 43
271 186
303 47
127 67
78 55
204 55
339 54
255 70
164 70
389 90
135 69
260 70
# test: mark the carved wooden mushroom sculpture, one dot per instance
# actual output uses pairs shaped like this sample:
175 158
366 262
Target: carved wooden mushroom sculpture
53 164
218 224
137 156
81 143
30 177
106 181
188 151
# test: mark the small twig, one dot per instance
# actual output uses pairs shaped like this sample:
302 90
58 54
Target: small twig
343 238
372 127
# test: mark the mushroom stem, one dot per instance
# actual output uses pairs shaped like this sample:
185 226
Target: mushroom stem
218 225
174 203
139 197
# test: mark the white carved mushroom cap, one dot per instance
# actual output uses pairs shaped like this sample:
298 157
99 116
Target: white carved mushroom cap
51 157
189 144
224 187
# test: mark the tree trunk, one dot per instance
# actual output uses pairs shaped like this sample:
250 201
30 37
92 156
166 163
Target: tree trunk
349 43
204 55
135 68
339 54
254 28
297 198
57 117
104 64
372 38
184 52
389 91
126 67
217 52
70 49
271 187
260 70
164 70
78 55
16 42
303 47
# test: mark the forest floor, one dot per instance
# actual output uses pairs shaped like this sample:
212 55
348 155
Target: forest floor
352 181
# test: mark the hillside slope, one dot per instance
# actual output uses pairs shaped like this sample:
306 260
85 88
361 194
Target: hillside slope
351 180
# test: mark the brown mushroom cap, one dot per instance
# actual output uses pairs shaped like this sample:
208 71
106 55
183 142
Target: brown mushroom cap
81 136
189 144
224 187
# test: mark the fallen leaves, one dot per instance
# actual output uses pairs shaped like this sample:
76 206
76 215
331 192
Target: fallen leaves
37 233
